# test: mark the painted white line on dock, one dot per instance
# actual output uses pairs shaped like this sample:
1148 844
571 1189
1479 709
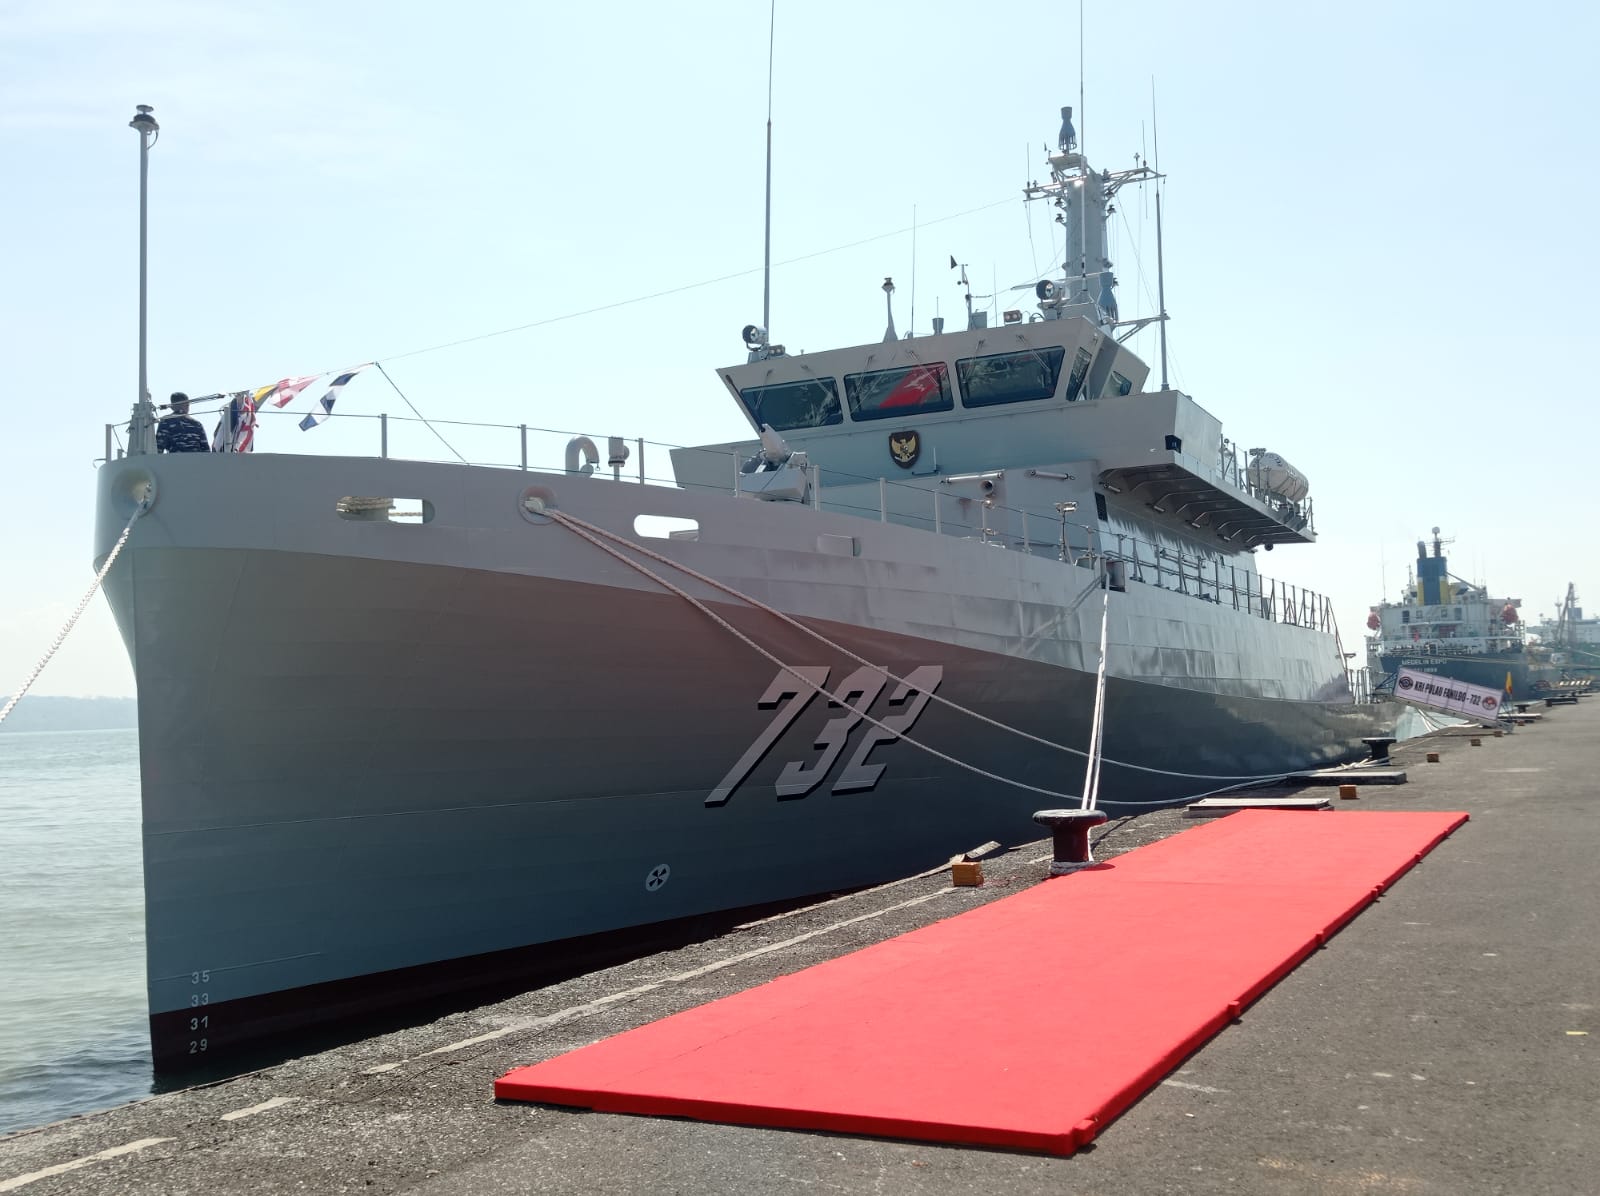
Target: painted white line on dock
380 1069
1206 1088
274 1103
552 1019
11 1185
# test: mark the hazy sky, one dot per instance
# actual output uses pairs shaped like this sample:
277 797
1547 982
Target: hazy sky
1380 239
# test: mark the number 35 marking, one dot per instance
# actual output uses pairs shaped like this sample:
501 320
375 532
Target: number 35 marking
789 696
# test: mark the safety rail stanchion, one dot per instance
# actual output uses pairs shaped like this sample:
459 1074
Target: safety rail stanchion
1091 781
383 434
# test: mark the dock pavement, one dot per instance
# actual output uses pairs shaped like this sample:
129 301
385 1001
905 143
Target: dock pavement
1444 1043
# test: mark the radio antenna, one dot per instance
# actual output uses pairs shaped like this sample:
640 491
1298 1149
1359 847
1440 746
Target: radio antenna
1161 272
766 277
1081 121
912 330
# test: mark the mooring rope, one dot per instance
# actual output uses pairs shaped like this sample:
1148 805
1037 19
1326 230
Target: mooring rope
1091 780
591 531
578 527
99 577
574 523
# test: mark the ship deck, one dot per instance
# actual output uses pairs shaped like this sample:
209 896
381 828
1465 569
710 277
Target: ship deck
1442 1041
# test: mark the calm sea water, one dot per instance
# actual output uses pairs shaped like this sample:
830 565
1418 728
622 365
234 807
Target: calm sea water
73 1035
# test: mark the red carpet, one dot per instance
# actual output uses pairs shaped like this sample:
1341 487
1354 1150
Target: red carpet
1029 1022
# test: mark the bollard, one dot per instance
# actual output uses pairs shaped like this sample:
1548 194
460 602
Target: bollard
1348 792
1070 832
1433 757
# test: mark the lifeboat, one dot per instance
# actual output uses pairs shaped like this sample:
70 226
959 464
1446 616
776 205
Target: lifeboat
1270 472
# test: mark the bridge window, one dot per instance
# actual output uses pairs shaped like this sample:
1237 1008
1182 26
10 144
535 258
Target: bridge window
1010 377
894 394
812 403
1080 371
1119 384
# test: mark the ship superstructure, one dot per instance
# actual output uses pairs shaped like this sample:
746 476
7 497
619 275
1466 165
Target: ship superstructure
522 711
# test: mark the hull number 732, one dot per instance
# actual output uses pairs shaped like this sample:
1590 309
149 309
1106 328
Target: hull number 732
788 695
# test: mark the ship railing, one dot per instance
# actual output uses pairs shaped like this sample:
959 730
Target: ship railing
1299 515
631 459
1463 646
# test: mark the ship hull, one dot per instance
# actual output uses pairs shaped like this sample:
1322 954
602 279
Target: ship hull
380 762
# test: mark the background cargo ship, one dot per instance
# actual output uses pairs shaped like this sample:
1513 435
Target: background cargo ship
1453 628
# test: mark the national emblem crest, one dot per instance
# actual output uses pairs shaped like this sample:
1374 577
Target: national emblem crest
905 448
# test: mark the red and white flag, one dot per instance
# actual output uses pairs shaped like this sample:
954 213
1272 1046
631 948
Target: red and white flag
285 392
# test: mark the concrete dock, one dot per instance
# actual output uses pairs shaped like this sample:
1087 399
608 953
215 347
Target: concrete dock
1447 1041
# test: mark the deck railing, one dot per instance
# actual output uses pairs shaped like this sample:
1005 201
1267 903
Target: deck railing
552 450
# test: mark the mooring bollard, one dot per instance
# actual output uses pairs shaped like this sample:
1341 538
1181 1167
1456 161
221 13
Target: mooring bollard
1433 757
1379 746
1348 792
1070 831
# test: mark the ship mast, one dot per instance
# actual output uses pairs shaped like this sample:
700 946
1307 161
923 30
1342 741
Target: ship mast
1084 200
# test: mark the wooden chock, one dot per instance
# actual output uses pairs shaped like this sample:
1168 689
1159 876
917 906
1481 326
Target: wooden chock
966 873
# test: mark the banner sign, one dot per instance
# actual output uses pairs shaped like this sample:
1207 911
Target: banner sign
1448 694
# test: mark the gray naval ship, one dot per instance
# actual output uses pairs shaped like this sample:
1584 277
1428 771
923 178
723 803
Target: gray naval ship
522 713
